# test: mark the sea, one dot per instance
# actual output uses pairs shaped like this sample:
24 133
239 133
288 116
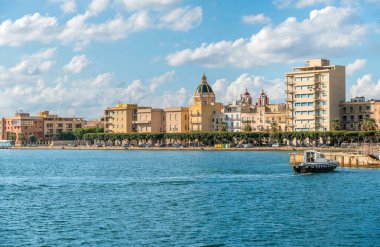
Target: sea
181 198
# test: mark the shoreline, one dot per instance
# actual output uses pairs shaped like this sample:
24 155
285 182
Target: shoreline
262 149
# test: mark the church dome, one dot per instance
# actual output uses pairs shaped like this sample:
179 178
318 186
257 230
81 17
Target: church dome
203 87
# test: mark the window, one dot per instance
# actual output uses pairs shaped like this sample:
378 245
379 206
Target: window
325 103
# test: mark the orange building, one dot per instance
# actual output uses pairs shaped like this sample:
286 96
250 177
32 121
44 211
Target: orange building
21 126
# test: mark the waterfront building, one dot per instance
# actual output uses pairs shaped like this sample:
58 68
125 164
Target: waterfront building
231 113
94 123
121 118
149 120
21 127
313 95
204 107
354 112
54 124
176 119
262 115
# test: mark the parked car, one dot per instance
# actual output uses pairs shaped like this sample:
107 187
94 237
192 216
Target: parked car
162 145
247 145
276 145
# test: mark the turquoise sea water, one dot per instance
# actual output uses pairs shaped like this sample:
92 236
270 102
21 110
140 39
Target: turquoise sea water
174 198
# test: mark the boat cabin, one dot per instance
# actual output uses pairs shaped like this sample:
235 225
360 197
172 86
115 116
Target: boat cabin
312 156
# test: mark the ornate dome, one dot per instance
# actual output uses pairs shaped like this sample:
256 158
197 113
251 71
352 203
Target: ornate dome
246 93
203 93
203 87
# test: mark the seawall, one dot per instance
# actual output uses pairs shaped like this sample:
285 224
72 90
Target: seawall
344 159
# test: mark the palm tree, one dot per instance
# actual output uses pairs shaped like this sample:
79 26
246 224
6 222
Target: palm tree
369 124
335 125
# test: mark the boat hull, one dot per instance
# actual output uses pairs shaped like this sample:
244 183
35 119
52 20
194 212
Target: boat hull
315 168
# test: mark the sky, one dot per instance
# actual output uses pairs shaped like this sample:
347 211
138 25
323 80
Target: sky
77 57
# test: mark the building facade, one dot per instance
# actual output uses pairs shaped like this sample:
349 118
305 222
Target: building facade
264 115
54 124
150 120
176 119
21 127
121 118
313 95
354 112
203 107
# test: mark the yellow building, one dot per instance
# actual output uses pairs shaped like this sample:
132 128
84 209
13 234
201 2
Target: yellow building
354 112
150 120
53 124
176 119
203 107
313 94
121 118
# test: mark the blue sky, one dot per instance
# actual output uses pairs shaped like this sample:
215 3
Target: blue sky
77 57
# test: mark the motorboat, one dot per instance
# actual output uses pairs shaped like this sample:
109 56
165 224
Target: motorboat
315 162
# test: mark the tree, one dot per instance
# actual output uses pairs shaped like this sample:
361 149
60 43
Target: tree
335 125
12 136
222 127
32 139
369 124
247 126
274 126
66 136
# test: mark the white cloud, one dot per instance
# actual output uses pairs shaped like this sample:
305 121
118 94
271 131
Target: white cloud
155 82
227 91
147 4
68 6
35 64
357 65
365 86
77 64
327 31
97 6
182 19
29 28
300 3
256 19
84 97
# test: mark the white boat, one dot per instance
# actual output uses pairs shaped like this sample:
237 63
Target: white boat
315 162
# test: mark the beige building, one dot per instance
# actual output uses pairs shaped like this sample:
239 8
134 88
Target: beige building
53 124
150 120
313 95
203 107
121 118
176 119
94 123
263 114
352 113
21 126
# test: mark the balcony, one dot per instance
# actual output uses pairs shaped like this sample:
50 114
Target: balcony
289 99
141 121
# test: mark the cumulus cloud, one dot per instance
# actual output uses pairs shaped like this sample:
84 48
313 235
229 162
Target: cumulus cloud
81 29
147 4
327 31
86 97
155 82
68 6
97 6
300 3
35 64
357 65
256 19
227 91
182 19
77 64
29 28
366 86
